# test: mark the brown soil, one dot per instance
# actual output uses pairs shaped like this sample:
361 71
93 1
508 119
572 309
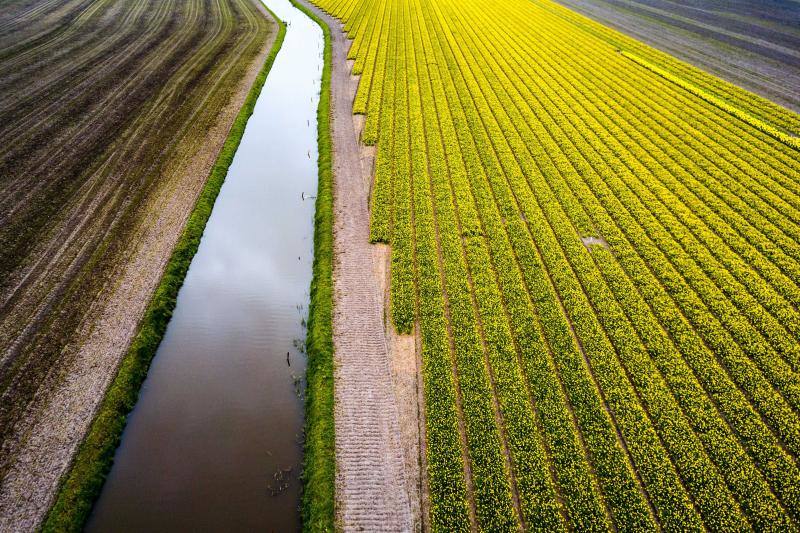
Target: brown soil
43 425
378 399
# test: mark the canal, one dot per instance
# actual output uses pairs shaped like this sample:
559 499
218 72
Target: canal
214 442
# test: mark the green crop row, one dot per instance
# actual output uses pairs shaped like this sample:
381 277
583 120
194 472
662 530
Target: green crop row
465 262
381 198
484 456
436 225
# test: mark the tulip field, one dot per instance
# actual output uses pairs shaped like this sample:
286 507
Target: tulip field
599 247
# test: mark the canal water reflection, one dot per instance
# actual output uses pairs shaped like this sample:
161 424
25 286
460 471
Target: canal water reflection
214 440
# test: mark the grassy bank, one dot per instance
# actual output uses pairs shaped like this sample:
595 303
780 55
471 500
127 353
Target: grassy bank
320 463
81 485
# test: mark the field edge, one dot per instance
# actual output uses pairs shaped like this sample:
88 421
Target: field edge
319 462
82 482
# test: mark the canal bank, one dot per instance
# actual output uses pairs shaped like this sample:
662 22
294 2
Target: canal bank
215 437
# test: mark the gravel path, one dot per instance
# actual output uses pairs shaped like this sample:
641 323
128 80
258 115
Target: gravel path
373 471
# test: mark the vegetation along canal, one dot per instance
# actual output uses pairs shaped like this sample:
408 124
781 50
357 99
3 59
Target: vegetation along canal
214 441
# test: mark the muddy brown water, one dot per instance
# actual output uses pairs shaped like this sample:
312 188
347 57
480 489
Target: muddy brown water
213 443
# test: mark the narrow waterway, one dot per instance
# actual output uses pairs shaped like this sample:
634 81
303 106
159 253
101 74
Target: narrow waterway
214 441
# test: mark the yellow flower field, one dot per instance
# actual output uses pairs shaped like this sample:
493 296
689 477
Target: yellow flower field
601 248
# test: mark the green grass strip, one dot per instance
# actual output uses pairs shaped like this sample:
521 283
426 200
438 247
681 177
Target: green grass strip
81 485
319 468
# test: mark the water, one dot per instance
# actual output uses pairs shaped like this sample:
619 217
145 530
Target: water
214 440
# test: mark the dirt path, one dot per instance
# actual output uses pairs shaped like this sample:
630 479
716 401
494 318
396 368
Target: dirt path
45 439
377 429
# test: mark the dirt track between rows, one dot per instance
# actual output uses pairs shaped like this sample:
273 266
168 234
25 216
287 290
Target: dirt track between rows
378 486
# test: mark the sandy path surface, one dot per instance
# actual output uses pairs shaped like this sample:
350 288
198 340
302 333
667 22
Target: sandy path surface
377 409
46 438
